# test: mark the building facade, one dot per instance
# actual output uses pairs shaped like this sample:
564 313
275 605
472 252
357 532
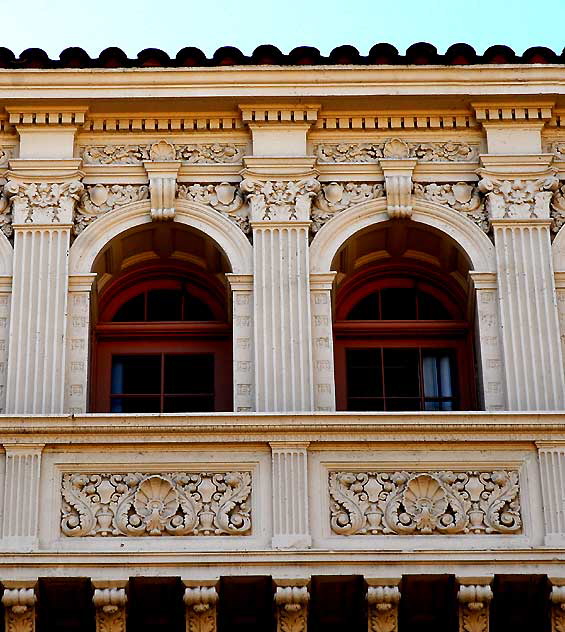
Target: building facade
282 344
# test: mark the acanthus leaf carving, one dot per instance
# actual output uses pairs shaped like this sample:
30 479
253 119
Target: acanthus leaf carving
474 603
98 199
280 200
115 154
558 609
396 148
383 608
404 503
518 198
210 153
460 196
156 504
110 609
291 603
135 154
43 202
335 197
201 604
223 197
557 211
19 604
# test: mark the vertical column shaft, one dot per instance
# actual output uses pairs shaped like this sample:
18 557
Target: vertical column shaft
283 358
36 367
533 362
5 302
552 469
560 291
242 315
322 341
290 495
21 494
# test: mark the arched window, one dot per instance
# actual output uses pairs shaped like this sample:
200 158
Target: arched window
403 340
162 340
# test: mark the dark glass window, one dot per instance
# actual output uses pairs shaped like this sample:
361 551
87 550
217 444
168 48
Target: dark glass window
163 305
399 303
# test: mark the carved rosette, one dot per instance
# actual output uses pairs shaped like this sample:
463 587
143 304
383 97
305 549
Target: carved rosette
461 197
19 605
223 197
110 605
373 152
178 504
474 603
518 199
558 609
201 609
291 603
383 608
197 153
98 199
280 200
43 202
336 197
430 503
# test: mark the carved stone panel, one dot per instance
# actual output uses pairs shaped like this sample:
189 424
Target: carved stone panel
174 504
195 153
43 202
222 197
372 152
424 503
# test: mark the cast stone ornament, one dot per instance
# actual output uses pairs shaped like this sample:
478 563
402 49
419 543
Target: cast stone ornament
280 200
43 202
291 603
223 197
5 213
197 153
424 503
373 152
518 199
98 199
398 169
461 197
110 605
19 604
558 609
180 504
474 603
201 604
335 197
557 210
383 608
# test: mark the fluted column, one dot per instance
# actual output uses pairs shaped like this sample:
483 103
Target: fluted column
474 599
322 341
291 605
19 607
551 457
290 495
383 598
201 603
110 601
5 302
242 317
20 509
518 206
42 214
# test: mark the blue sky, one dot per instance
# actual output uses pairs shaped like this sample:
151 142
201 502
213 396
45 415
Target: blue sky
172 24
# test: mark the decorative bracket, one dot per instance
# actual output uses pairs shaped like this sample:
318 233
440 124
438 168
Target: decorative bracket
398 170
110 604
162 171
383 608
474 600
557 608
291 603
201 604
19 604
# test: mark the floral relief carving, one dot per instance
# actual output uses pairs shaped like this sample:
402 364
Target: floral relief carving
201 603
19 604
383 608
460 196
156 504
335 197
223 197
557 211
558 149
281 199
435 503
474 603
5 155
99 199
558 609
43 201
518 199
292 608
196 153
110 609
373 152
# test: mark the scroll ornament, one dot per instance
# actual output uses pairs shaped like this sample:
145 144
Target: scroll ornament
43 202
372 152
110 605
201 603
280 200
223 197
99 199
138 504
196 153
335 197
434 503
19 604
292 608
461 197
474 603
383 608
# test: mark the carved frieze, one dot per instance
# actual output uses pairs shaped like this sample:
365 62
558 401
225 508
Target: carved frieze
179 503
461 197
201 605
424 503
223 197
291 604
43 202
280 200
518 199
98 199
335 197
373 152
196 153
474 603
110 605
19 604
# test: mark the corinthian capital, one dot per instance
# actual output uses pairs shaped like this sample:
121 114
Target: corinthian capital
280 200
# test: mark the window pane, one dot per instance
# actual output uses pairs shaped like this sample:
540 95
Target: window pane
429 308
189 404
437 374
190 373
136 374
135 404
366 309
401 373
164 305
398 303
364 373
195 309
132 310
